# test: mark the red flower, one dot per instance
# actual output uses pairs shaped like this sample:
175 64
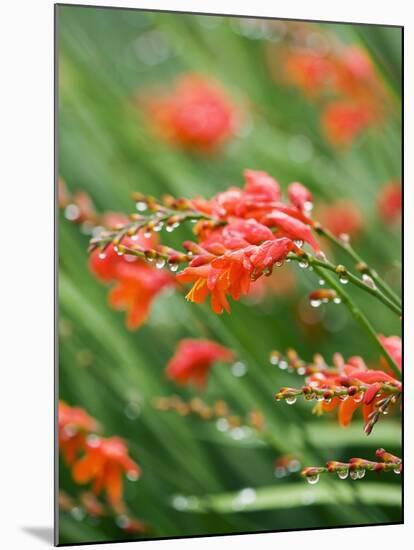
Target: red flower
136 284
195 114
393 344
104 463
194 358
231 272
389 202
74 425
343 121
307 70
291 227
355 75
300 197
353 374
341 217
223 275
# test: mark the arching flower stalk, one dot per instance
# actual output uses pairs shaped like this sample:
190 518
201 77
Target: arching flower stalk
345 386
355 468
242 235
219 411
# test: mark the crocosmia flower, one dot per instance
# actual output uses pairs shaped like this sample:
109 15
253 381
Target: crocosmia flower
307 70
341 217
135 283
74 426
356 375
343 121
196 113
193 360
104 463
389 202
393 344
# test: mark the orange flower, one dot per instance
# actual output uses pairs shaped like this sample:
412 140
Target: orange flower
393 344
341 217
135 283
389 202
353 374
308 70
226 274
193 360
74 425
104 463
343 121
195 114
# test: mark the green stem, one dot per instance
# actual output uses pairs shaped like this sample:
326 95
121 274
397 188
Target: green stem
359 317
346 247
353 279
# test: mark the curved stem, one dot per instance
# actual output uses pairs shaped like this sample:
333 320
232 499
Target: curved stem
352 278
359 317
346 247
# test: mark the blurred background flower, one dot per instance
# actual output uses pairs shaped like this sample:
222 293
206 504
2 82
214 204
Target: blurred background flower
181 104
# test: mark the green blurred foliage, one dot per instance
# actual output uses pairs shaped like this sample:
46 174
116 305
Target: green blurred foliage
106 57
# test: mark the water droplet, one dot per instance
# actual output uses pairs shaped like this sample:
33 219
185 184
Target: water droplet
313 479
147 234
315 303
298 243
278 264
291 400
303 264
179 502
173 267
327 400
141 206
321 256
369 281
308 206
280 472
343 280
294 465
237 433
246 496
283 365
102 255
353 474
122 521
158 226
160 263
132 475
274 358
321 282
132 410
343 474
301 371
72 212
97 231
238 369
134 237
361 474
93 440
222 425
319 398
397 470
337 300
169 228
77 513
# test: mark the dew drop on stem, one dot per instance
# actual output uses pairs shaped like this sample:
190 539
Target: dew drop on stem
313 479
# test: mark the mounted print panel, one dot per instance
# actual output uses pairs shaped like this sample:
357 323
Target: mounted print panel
229 202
